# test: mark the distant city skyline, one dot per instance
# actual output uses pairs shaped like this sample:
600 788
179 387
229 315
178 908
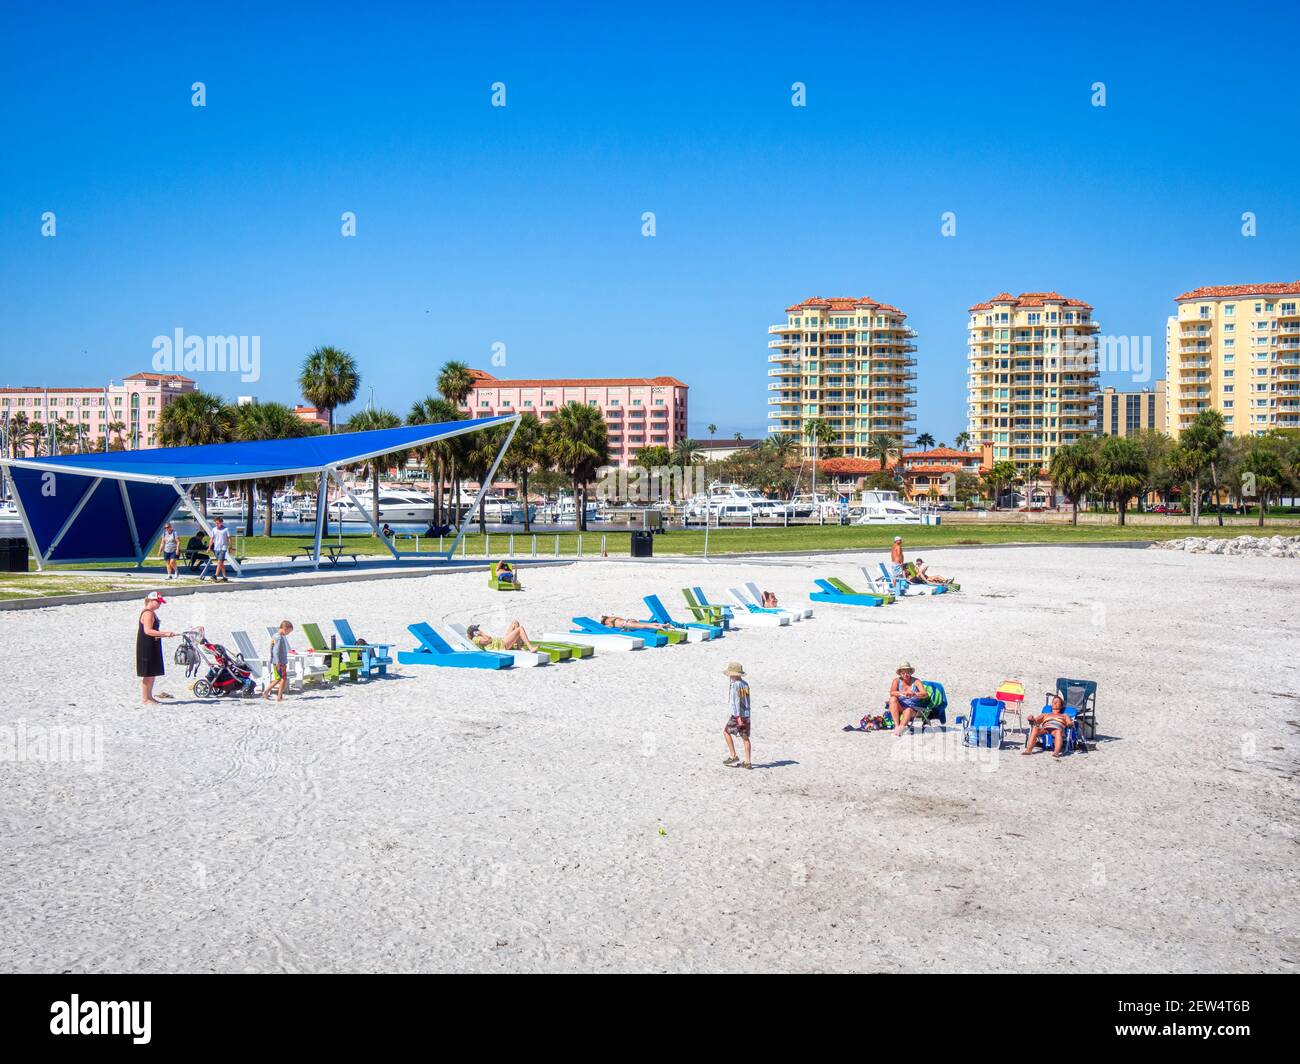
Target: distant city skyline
516 231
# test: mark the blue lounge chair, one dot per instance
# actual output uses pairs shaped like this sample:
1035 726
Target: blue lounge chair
830 593
650 636
984 725
755 605
747 615
434 650
374 656
1081 705
658 612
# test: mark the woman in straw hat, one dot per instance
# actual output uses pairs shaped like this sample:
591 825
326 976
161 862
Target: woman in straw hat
907 697
737 716
148 647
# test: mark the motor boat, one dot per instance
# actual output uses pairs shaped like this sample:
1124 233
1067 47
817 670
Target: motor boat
886 508
734 502
395 505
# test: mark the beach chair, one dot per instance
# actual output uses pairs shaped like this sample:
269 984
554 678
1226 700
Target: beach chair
1081 699
756 597
1072 736
877 587
650 636
696 631
707 614
843 587
311 666
828 592
937 709
374 656
344 661
900 586
757 617
909 571
587 642
745 605
1011 693
523 659
434 650
984 725
503 585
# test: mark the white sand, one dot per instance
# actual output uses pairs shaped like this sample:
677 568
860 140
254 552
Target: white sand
470 820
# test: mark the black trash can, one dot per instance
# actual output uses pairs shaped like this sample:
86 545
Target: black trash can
13 554
643 544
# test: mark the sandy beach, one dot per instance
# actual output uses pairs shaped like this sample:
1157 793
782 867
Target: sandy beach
579 817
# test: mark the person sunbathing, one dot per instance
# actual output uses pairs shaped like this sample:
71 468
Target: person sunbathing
924 576
1055 722
515 638
907 697
507 575
769 600
624 624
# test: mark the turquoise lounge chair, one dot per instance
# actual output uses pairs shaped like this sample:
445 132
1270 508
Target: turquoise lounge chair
659 613
830 593
434 650
755 615
374 656
651 636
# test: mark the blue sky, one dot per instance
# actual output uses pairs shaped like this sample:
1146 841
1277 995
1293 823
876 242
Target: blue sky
522 225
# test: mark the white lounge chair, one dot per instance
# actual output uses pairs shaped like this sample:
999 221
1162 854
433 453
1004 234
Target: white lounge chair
261 666
756 596
595 640
751 614
524 659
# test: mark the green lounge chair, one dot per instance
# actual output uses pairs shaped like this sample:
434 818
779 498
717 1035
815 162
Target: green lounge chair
343 661
503 585
715 615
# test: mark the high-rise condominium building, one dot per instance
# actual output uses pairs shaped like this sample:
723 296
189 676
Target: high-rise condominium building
1126 413
1236 349
39 421
1031 376
847 361
638 411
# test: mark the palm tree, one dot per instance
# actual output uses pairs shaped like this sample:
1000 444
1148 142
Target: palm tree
1263 464
882 447
1203 440
267 421
117 429
578 444
713 431
781 446
961 441
434 410
737 436
525 454
924 441
368 421
456 383
19 427
193 419
328 380
1122 471
1001 475
1074 473
685 453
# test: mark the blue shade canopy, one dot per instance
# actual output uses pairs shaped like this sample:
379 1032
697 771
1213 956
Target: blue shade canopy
261 458
111 506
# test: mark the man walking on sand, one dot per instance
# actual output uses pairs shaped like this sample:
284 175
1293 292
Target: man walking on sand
220 545
737 716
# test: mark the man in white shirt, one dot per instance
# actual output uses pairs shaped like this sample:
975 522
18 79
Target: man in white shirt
220 545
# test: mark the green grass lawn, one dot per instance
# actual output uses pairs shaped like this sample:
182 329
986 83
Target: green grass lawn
676 542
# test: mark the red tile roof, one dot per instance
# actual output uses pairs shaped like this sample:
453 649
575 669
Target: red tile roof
844 303
856 466
1032 299
1215 291
942 452
174 378
486 380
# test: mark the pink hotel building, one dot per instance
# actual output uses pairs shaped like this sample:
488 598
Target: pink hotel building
638 411
128 412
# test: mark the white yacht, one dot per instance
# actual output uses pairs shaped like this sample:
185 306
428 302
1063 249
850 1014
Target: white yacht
886 508
734 501
815 504
395 505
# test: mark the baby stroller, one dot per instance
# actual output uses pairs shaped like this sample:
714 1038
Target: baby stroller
227 674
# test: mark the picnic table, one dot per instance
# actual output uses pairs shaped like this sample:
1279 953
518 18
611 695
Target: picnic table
331 552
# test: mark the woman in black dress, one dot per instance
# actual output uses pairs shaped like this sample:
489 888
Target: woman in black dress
148 647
